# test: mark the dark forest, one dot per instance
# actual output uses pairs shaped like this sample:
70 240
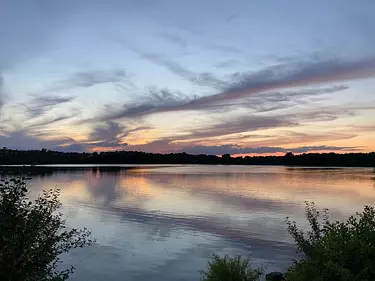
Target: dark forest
40 157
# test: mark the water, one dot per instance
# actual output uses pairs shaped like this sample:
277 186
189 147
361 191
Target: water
162 223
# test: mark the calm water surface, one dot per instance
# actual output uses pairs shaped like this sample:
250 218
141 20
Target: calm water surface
162 223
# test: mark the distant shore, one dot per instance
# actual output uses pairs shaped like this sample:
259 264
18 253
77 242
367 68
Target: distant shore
137 158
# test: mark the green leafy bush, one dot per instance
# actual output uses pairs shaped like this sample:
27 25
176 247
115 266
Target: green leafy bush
33 234
333 250
230 269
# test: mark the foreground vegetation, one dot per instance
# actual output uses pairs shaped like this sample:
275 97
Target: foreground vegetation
233 269
34 235
331 251
29 157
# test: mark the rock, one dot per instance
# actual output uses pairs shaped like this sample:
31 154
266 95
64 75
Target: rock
275 276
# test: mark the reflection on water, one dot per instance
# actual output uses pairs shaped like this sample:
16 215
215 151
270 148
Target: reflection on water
161 223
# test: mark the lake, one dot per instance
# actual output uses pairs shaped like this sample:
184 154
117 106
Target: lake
163 222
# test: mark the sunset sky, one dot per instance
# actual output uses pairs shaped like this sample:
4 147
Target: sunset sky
200 76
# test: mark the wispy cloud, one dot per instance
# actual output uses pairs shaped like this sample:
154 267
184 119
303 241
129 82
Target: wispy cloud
241 128
288 137
275 100
168 145
272 79
175 39
205 79
201 79
198 38
41 104
304 73
227 63
164 145
252 123
104 136
226 49
240 125
23 139
363 128
233 149
154 101
1 91
165 100
85 79
52 120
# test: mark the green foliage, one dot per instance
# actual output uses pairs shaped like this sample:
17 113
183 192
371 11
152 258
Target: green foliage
333 250
33 234
230 269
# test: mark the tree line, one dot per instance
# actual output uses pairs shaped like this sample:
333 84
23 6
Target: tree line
44 156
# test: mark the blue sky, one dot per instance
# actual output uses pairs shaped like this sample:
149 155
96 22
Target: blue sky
239 77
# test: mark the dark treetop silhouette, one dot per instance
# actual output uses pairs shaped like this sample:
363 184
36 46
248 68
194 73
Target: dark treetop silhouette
32 157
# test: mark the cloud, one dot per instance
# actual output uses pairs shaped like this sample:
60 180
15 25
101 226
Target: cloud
175 39
226 49
76 147
165 100
290 137
246 87
41 104
271 79
2 94
240 125
204 79
85 79
252 123
271 101
233 149
289 74
285 76
22 139
227 63
198 38
154 101
234 126
137 129
107 135
49 120
364 128
157 146
169 145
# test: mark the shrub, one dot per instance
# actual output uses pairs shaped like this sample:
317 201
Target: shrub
333 250
230 269
33 234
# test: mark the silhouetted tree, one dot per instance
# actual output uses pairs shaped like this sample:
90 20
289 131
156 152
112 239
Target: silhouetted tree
226 158
33 234
289 154
333 250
